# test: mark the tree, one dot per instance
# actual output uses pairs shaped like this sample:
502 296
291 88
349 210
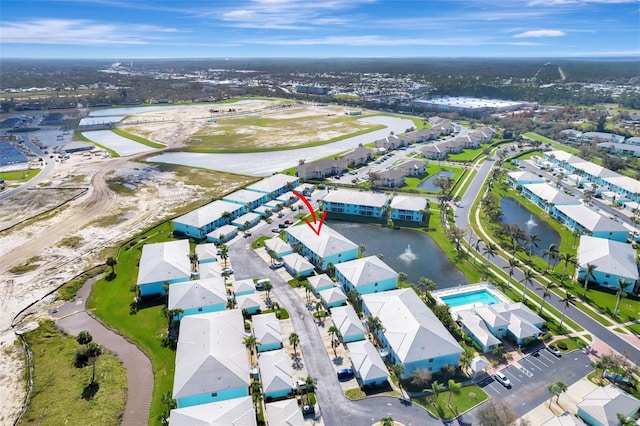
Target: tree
268 287
567 258
513 264
533 241
436 388
387 421
569 299
454 389
622 283
420 377
490 250
556 389
551 253
362 248
333 331
112 262
84 337
272 255
546 294
224 254
398 370
425 285
624 420
168 404
402 277
588 273
526 280
94 351
294 340
495 412
335 343
319 311
374 324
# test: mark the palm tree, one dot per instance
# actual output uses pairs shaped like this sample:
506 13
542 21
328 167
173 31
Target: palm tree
567 258
588 273
268 287
193 258
387 421
294 340
331 269
355 299
334 345
402 277
94 351
374 324
569 299
526 280
398 370
476 246
250 343
513 264
273 255
556 389
84 337
112 262
546 294
550 253
490 250
533 241
224 253
425 285
319 310
454 389
362 248
333 331
622 283
436 388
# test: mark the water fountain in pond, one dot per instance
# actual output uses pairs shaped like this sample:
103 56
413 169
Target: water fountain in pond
531 223
408 255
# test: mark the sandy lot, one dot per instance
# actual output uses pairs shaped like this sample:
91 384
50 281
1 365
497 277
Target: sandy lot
98 219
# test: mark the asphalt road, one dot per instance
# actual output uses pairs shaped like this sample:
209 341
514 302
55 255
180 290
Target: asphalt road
533 374
597 330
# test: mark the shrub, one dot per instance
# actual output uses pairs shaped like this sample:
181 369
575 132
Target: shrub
562 345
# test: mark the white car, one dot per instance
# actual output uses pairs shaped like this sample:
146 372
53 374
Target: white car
502 379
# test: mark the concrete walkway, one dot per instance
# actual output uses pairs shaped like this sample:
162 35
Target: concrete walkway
73 318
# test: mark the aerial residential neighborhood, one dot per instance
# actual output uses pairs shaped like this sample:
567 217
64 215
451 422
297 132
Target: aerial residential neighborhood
278 213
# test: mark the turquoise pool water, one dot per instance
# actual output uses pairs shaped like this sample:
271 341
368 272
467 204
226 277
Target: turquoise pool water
470 298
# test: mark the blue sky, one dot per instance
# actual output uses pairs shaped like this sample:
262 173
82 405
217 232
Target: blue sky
318 28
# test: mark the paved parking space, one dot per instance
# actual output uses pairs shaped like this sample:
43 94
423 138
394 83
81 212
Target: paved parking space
531 375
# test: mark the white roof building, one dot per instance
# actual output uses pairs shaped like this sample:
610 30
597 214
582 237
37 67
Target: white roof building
367 362
244 196
521 321
364 198
209 270
366 270
250 302
198 293
411 329
603 404
590 219
275 372
325 245
232 412
297 264
595 170
320 282
266 329
162 262
625 183
209 213
206 252
244 286
278 246
333 297
478 328
226 231
211 355
347 321
550 194
613 259
272 183
284 413
246 219
408 202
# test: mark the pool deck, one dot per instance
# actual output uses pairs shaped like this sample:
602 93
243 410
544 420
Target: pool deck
468 288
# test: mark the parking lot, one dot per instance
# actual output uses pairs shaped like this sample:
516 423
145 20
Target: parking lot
531 375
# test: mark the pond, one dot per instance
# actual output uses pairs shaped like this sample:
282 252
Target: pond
514 212
428 185
411 252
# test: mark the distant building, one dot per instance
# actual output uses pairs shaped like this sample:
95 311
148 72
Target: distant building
358 156
470 105
313 90
587 221
321 169
275 185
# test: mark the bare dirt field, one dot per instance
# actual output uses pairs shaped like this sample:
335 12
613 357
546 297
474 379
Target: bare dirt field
43 246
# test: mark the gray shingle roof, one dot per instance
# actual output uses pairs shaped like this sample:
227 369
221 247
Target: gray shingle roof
164 262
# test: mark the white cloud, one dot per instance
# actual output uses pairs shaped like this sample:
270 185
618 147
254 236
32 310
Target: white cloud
563 2
79 32
540 33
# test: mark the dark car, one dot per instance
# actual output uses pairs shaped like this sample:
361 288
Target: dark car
283 225
288 222
308 410
346 373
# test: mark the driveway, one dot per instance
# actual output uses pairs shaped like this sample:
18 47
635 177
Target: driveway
531 375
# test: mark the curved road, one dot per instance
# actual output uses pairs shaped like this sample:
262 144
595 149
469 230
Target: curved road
595 328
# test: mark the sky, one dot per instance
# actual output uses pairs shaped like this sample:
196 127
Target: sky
318 28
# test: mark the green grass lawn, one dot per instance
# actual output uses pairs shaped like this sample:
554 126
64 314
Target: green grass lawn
572 343
60 390
539 138
605 303
110 301
635 328
468 155
411 183
19 175
469 397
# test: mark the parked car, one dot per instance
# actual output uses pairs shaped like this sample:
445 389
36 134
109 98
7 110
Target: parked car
288 222
345 373
227 271
554 350
308 410
283 226
300 385
277 265
276 230
502 379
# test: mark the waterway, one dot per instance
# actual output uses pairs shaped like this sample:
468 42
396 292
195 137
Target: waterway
514 212
428 185
411 252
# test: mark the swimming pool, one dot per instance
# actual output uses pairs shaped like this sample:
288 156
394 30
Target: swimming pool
483 297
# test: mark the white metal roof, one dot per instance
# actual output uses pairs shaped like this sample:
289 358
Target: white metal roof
604 403
525 176
367 361
164 262
366 270
477 327
208 214
297 263
551 194
408 202
224 230
272 183
347 321
266 328
625 182
320 281
244 196
610 257
241 286
333 295
360 198
590 219
328 243
248 301
277 245
284 413
206 251
232 412
198 293
412 330
275 371
211 355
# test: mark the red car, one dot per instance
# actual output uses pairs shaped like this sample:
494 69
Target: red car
288 222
